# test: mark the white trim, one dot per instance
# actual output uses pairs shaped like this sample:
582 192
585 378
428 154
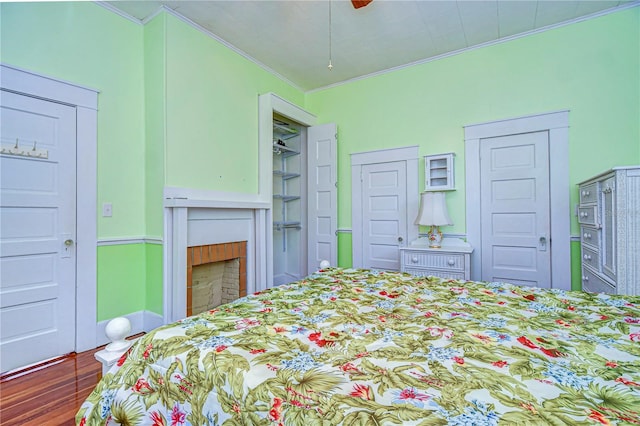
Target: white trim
119 12
189 197
85 100
20 80
557 124
410 155
480 46
385 155
345 230
116 241
141 322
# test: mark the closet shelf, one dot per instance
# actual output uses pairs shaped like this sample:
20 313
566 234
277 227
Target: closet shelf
283 132
286 225
284 150
286 197
285 175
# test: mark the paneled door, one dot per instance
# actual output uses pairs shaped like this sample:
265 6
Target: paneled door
38 227
384 214
515 209
322 193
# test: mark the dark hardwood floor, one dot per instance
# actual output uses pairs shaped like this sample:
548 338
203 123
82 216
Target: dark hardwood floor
49 394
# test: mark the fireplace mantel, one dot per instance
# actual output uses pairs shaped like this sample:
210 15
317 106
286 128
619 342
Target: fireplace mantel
196 217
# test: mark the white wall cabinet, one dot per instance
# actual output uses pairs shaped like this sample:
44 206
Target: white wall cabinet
609 218
439 172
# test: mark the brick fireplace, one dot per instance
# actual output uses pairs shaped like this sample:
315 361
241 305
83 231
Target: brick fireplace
216 274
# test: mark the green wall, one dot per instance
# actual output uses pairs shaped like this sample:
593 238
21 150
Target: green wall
590 68
178 108
212 112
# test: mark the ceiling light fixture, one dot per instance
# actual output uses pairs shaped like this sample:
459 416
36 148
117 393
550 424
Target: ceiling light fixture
330 66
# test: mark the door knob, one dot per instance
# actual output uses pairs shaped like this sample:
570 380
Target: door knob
68 243
400 239
542 244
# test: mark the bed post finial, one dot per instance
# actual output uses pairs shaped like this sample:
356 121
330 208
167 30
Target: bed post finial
117 330
324 264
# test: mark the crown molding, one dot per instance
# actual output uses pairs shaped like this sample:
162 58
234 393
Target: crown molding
605 12
119 12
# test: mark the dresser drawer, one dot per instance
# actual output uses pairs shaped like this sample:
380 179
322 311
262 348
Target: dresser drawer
448 261
590 257
590 236
436 273
588 193
594 284
587 215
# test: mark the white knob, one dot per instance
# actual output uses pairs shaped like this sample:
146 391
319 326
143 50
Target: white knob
587 257
584 214
451 262
117 330
414 259
585 278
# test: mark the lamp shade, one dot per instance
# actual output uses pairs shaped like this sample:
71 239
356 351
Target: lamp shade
433 210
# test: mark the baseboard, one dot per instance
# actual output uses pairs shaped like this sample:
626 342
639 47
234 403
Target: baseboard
141 322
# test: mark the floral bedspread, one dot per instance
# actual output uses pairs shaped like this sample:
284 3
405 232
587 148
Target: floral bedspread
358 347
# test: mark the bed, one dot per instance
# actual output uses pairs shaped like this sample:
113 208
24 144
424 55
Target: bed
365 347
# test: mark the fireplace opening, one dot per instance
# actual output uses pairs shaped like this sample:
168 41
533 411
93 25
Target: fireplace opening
216 274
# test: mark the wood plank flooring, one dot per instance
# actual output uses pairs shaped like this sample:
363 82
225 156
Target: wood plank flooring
50 394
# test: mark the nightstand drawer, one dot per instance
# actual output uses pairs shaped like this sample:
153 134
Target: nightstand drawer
448 261
436 273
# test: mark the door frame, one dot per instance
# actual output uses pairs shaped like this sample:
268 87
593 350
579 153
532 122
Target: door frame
268 104
85 101
407 154
557 125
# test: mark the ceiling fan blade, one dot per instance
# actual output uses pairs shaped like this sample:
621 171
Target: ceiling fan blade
360 3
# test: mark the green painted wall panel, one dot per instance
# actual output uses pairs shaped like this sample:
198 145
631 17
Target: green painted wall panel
576 269
155 124
212 112
153 278
345 258
121 280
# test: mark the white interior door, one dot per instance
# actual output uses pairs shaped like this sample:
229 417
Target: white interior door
384 214
38 226
515 209
322 195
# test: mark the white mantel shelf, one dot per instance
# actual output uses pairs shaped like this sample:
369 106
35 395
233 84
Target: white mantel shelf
214 204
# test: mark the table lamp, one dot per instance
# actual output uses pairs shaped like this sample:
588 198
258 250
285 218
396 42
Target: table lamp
433 213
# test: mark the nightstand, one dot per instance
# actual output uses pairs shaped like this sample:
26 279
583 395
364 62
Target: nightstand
452 260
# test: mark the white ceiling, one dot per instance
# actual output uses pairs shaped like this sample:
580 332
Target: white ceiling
292 37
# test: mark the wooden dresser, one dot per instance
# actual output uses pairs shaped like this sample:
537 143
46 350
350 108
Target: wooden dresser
609 218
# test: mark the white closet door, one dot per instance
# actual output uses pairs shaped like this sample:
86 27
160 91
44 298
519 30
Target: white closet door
322 193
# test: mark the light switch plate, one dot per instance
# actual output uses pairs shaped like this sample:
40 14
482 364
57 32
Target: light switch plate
107 210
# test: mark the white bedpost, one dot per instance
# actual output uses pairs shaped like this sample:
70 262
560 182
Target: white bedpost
116 330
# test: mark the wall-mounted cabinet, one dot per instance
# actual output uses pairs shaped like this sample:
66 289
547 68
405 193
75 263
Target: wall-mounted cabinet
439 172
